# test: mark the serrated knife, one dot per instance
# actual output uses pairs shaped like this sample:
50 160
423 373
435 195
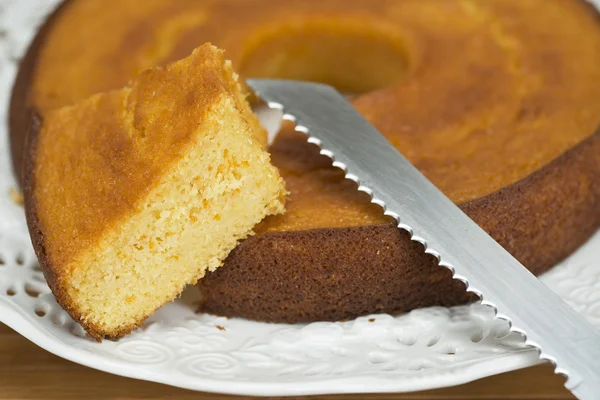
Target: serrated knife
560 334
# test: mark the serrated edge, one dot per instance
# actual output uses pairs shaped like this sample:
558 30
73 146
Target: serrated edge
298 127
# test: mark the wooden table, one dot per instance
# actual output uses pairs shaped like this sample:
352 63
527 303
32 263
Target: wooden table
29 372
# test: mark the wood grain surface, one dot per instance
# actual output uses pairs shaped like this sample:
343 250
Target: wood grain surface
29 372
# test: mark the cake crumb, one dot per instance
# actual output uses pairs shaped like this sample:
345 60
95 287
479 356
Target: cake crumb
16 196
221 328
371 319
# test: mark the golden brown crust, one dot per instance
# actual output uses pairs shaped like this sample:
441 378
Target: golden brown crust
540 219
328 275
21 114
545 217
35 230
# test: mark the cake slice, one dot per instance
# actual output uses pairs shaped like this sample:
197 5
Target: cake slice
133 194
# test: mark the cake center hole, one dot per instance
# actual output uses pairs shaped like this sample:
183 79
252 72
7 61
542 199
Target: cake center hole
352 55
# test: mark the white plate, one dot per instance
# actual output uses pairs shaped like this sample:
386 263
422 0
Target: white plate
424 349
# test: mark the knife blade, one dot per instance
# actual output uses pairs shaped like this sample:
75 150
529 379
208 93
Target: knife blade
548 324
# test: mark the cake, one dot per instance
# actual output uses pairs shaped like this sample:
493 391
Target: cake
495 108
135 193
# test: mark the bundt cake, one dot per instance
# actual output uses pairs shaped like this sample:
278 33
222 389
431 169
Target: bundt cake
497 102
133 194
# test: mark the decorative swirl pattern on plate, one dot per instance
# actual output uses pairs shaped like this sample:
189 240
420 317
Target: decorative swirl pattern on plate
209 364
144 352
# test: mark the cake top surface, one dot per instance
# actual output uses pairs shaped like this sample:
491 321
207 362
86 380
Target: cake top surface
94 160
478 95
